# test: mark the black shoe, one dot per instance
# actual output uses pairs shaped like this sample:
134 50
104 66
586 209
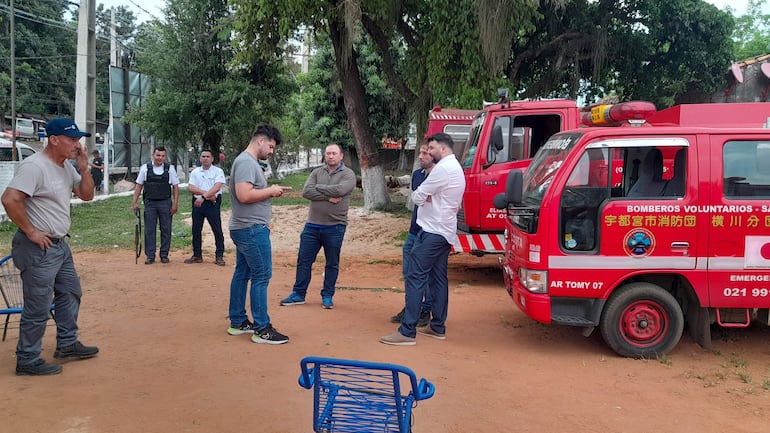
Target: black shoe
397 318
268 335
164 259
193 259
245 328
149 261
38 368
424 318
76 351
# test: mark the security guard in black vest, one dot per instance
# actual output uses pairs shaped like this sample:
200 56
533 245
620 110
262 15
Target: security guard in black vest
160 184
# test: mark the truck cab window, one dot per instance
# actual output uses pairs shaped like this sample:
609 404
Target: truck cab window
587 188
473 142
651 172
746 167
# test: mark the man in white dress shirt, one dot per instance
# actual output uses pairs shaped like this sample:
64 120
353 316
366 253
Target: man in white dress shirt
438 199
205 185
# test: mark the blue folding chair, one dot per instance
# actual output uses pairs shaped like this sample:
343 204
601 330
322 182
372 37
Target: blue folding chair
11 291
358 396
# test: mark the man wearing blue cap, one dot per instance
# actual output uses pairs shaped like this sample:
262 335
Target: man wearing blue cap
37 200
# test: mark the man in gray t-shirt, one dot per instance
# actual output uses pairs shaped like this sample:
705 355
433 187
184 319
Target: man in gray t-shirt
37 200
250 232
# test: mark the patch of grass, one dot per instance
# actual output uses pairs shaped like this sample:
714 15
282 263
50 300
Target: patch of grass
295 180
109 224
665 360
738 362
766 384
384 262
745 377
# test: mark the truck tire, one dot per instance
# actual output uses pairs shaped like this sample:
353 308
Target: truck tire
642 320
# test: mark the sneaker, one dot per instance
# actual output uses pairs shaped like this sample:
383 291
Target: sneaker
220 261
245 328
327 302
398 339
76 351
193 259
293 299
38 368
424 318
429 332
268 335
164 260
397 318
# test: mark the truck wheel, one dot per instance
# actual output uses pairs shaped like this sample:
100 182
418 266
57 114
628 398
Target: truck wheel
642 320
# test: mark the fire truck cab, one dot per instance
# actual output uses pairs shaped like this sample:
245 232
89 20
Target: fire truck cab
504 136
641 230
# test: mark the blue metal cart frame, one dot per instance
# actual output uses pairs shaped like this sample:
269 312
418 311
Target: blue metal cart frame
359 396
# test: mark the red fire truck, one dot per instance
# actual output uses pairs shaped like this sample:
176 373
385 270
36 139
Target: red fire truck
598 234
503 136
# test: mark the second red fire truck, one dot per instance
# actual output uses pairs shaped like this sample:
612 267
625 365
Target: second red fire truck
643 231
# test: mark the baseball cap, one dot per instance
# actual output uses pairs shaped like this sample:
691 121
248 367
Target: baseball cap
64 126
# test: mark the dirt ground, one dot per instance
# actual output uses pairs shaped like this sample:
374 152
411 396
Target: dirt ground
167 365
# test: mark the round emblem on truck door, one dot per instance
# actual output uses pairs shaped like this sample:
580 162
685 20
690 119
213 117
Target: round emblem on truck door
639 243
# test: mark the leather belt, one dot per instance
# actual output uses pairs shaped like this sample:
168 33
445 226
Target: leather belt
55 240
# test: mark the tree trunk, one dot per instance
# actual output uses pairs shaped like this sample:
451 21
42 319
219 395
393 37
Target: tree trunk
372 178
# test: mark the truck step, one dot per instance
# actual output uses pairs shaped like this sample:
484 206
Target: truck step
733 317
572 321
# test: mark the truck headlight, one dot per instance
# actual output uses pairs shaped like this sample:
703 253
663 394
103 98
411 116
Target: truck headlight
534 281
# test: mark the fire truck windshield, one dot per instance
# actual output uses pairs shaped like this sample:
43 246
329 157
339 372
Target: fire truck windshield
544 166
473 142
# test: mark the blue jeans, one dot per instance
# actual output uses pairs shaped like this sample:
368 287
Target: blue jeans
405 256
154 211
311 241
253 261
209 211
47 276
426 272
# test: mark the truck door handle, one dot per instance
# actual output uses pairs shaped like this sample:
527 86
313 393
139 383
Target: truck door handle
680 245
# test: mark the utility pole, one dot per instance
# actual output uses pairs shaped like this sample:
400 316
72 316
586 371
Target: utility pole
85 78
14 151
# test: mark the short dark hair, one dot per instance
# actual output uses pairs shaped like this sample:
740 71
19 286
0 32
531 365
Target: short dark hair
207 150
442 138
268 131
159 149
339 146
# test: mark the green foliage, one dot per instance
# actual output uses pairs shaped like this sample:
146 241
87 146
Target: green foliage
665 52
752 32
457 73
45 58
202 99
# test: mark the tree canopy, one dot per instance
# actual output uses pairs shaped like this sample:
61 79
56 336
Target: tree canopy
202 98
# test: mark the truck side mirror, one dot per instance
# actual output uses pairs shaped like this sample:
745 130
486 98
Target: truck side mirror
500 201
513 185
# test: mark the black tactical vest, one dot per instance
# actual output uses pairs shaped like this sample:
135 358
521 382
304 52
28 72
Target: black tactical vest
156 186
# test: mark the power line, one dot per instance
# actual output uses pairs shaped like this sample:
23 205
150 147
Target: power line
29 16
144 10
60 56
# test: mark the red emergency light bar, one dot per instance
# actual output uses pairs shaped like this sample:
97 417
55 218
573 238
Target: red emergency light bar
610 115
